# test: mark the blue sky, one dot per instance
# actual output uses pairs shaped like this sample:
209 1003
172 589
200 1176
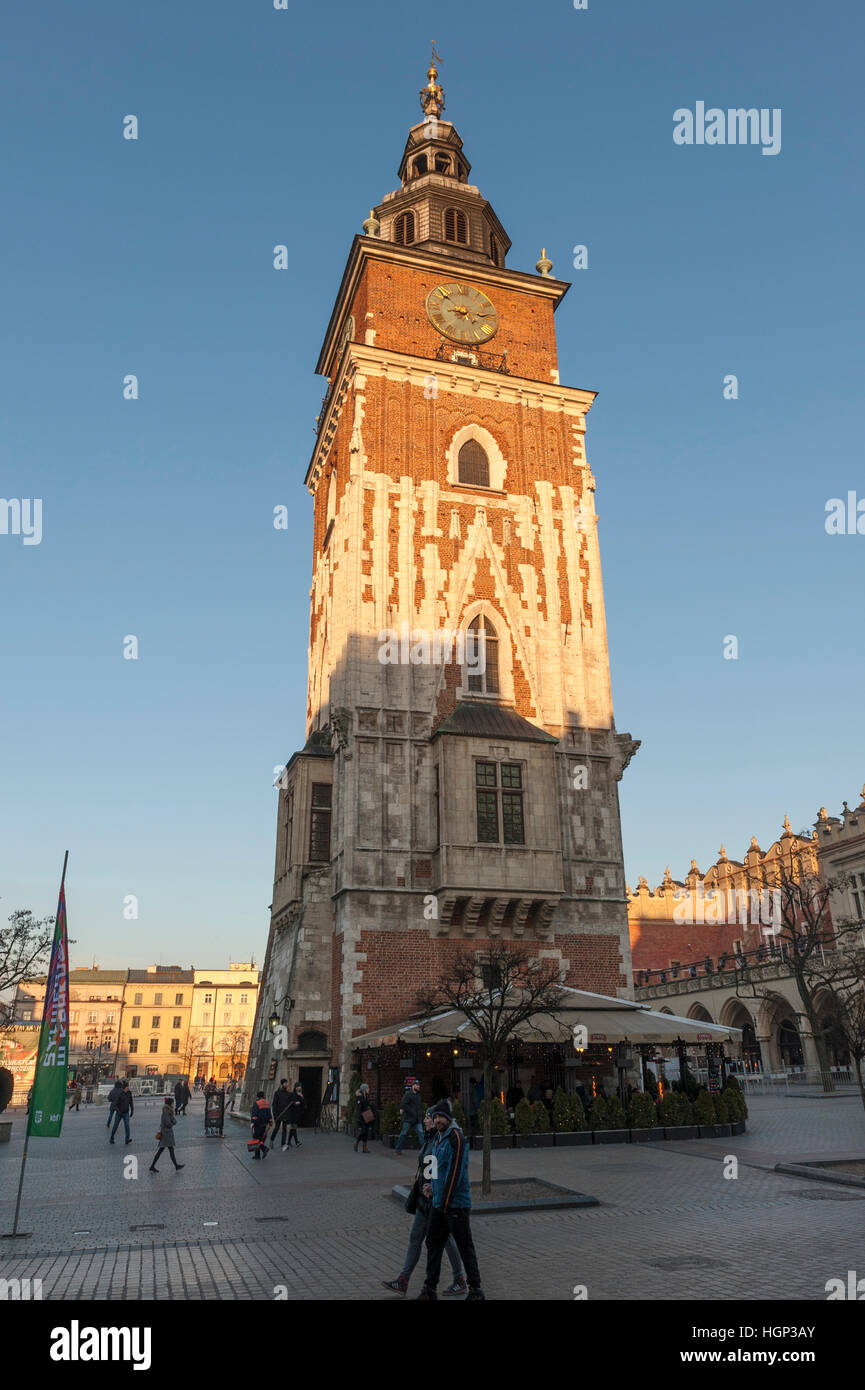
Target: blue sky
154 257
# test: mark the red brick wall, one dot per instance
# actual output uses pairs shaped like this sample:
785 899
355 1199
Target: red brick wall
399 963
397 294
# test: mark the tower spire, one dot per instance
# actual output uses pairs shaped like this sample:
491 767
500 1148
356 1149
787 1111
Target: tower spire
432 97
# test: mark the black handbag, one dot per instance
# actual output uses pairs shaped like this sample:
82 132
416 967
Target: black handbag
411 1200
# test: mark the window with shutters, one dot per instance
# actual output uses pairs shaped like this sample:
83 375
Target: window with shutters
404 229
154 1044
319 825
154 1022
177 1021
473 464
482 657
133 1044
136 1021
178 999
456 227
175 1044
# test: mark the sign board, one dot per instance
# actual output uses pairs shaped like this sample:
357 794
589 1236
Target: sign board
214 1114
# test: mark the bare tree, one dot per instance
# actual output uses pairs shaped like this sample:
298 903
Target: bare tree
497 996
236 1043
801 934
24 947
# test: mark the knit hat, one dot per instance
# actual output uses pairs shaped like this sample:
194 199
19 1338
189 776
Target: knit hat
440 1108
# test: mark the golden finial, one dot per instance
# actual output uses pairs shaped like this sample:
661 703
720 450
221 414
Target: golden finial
432 97
544 266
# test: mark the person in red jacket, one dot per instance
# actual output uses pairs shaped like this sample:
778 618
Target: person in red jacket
261 1121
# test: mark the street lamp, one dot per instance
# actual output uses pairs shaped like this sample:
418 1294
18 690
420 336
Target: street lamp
276 1017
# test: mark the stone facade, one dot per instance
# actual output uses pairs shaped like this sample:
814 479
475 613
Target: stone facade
383 868
688 966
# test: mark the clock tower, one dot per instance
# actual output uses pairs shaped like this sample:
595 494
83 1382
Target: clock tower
459 783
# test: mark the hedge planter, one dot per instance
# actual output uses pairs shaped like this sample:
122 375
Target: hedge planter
738 1127
643 1136
715 1131
676 1132
497 1141
535 1141
610 1136
571 1137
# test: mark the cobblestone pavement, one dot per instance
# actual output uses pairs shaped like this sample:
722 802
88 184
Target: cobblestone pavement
319 1222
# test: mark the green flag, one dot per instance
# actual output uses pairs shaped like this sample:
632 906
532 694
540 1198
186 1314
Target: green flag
48 1100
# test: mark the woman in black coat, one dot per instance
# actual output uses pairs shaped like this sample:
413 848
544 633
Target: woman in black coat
365 1127
296 1108
166 1136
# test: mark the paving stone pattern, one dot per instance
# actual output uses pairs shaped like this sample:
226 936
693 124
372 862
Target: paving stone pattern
669 1226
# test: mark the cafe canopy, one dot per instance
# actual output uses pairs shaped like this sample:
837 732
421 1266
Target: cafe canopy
606 1020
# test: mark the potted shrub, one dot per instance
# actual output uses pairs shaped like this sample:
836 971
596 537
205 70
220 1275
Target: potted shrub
539 1135
569 1118
460 1116
737 1109
500 1130
391 1123
676 1116
608 1121
642 1118
706 1114
7 1086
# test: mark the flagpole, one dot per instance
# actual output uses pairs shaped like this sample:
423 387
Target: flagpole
15 1234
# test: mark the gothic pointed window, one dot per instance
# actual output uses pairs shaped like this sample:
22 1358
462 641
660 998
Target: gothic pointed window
482 657
474 466
456 226
404 229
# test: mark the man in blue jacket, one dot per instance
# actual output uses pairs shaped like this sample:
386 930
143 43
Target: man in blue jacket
448 1188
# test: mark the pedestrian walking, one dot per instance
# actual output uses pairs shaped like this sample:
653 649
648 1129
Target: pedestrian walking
75 1096
165 1135
410 1105
421 1206
123 1110
279 1109
260 1119
450 1194
112 1100
178 1097
296 1112
232 1092
365 1116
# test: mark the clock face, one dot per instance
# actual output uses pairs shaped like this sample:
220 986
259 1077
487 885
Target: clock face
462 313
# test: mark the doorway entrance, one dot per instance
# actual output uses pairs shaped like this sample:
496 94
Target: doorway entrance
310 1080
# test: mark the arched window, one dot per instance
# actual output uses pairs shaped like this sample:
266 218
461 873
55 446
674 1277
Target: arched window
312 1042
443 164
474 466
404 229
455 226
482 652
420 166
